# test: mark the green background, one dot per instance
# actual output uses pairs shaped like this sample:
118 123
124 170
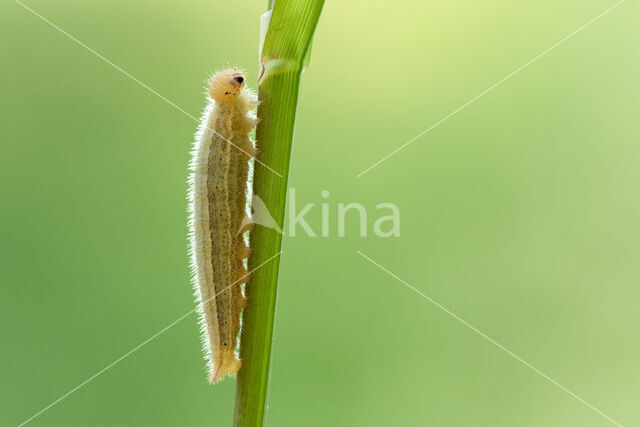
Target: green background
520 214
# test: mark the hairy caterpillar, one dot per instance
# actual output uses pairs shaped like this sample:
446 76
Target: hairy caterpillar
218 218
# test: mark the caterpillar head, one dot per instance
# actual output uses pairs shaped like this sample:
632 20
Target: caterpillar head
226 86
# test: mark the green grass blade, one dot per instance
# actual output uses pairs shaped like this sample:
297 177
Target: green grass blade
283 55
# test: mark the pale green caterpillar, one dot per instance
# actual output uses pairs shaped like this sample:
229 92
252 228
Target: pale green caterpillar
218 218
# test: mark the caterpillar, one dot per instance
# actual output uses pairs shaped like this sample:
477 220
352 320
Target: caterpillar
218 218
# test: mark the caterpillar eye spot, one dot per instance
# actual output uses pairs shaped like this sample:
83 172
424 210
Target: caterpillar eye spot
239 79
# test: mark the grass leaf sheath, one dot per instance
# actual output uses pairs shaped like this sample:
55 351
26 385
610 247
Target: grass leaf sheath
285 45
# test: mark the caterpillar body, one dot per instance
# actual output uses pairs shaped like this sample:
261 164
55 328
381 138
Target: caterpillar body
218 218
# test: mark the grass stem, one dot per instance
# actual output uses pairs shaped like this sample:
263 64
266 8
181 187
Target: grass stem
285 46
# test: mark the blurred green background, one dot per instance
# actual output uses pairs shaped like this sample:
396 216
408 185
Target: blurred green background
520 214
